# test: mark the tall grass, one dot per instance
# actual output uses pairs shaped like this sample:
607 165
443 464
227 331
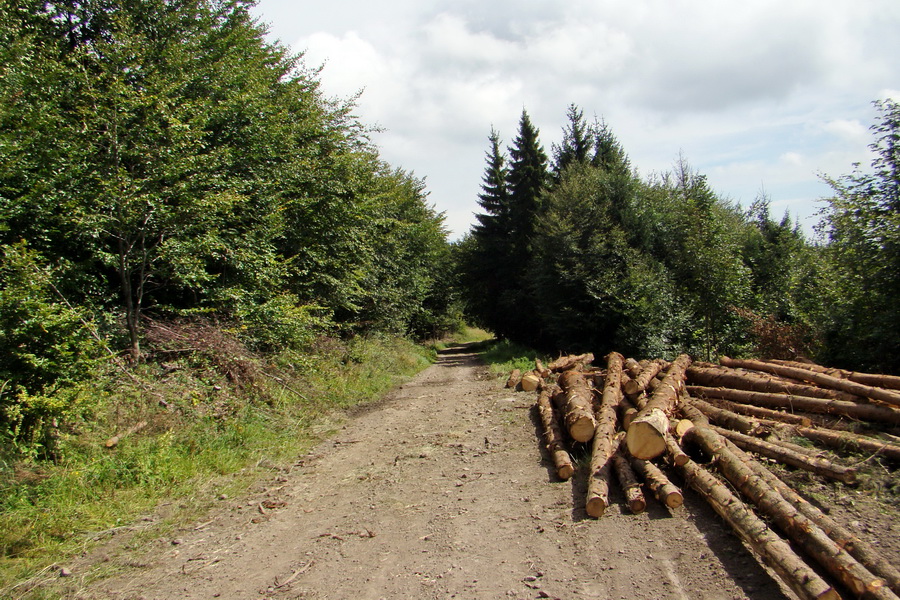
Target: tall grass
206 438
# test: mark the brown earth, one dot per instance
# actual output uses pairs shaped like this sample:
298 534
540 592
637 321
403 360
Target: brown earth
440 491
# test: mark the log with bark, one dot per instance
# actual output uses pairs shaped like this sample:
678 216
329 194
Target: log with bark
603 447
664 490
674 453
773 550
872 379
530 381
861 550
565 363
762 413
553 436
579 412
810 537
646 436
791 454
821 379
629 482
717 376
114 440
539 368
845 439
638 384
729 419
853 410
514 378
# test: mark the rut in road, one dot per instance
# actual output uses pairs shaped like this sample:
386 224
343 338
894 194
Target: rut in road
440 491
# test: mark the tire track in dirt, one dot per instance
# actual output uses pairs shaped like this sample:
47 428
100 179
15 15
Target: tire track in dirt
440 491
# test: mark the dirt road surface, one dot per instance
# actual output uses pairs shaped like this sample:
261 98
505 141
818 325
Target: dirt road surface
440 491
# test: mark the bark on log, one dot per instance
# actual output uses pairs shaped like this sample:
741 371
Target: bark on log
627 412
604 446
579 412
553 437
629 482
727 418
762 413
863 412
514 378
717 376
638 384
846 439
632 367
664 490
851 387
790 520
674 452
872 379
790 454
773 550
539 368
564 363
646 436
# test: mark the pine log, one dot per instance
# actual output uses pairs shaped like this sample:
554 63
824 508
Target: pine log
674 453
627 412
629 482
664 490
530 381
717 376
773 550
565 363
514 378
727 418
790 454
762 413
872 379
604 447
846 439
646 436
632 367
851 387
853 410
639 384
553 437
539 368
859 549
790 520
579 412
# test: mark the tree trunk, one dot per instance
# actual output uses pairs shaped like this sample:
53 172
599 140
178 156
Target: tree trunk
763 413
716 376
864 412
646 436
835 383
514 378
638 384
659 484
674 452
862 551
796 525
845 439
629 482
553 437
530 381
604 434
579 412
774 551
790 454
727 418
566 363
872 379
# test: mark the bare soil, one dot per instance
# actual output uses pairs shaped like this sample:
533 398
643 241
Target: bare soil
440 491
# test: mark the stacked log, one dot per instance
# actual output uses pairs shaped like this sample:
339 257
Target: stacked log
733 411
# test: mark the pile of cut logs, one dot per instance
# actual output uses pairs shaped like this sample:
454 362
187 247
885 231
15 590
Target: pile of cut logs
631 413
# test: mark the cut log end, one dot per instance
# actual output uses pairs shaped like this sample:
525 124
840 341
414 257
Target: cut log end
582 430
595 507
565 472
646 437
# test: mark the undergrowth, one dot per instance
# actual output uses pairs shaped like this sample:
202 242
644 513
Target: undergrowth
503 356
192 426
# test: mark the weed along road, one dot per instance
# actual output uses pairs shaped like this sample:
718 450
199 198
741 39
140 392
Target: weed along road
438 491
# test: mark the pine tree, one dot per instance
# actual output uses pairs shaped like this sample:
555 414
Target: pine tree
528 178
576 143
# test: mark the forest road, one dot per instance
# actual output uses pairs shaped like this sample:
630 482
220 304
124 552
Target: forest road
441 491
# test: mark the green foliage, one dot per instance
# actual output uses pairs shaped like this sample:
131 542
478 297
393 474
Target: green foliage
862 225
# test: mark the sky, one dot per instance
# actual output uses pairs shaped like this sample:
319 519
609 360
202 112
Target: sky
761 96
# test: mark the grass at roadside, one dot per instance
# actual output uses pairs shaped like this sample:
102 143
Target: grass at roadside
504 356
209 431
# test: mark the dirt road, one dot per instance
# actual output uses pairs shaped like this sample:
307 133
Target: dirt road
440 491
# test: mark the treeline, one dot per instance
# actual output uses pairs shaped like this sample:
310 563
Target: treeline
578 252
160 160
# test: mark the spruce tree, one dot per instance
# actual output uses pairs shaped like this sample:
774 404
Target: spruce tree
576 143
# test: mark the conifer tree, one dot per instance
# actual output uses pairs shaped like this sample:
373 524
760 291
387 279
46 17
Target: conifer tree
576 143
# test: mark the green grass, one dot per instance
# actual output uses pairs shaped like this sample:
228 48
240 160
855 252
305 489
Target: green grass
214 437
504 356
